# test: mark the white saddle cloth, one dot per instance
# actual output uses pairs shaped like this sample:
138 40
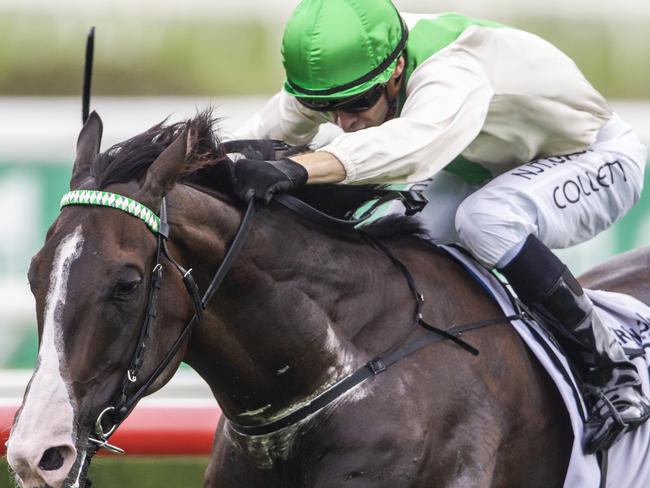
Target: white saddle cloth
629 459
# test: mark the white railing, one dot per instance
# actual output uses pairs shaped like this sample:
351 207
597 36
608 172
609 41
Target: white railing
45 129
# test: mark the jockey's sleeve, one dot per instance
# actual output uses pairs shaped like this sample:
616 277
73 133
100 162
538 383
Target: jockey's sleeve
446 107
283 118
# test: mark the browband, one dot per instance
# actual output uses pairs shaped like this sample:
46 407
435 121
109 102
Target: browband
113 200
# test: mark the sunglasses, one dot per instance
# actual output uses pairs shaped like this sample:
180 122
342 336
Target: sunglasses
356 103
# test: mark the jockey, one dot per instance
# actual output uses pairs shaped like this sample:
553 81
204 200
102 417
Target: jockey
518 150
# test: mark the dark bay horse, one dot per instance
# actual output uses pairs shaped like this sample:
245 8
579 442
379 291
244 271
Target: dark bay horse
303 306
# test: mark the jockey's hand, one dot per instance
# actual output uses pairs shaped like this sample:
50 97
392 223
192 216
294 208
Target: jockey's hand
263 179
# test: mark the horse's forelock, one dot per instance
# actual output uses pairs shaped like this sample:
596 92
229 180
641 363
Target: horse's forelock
129 160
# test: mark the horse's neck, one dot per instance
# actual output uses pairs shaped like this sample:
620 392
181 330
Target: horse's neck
278 329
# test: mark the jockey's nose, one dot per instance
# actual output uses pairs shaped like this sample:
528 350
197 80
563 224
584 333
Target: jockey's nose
346 120
51 466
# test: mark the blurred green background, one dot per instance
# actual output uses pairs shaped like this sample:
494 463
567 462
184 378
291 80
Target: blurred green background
42 54
222 48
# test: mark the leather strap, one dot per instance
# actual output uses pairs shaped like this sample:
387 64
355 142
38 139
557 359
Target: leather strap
370 369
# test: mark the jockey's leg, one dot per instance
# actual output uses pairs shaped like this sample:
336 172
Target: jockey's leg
545 284
558 202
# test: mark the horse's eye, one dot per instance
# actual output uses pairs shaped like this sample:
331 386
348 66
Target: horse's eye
125 289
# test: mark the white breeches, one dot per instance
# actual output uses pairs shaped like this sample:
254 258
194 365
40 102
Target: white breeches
562 200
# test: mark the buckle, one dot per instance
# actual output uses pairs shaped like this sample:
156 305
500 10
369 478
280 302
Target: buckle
377 366
414 201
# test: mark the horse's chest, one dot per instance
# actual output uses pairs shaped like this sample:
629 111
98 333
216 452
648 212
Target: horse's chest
265 450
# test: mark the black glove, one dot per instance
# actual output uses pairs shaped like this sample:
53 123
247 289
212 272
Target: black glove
263 179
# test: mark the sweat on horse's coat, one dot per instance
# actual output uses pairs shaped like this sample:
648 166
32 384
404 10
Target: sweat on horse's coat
314 299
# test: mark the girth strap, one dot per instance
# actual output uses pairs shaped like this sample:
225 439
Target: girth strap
372 368
381 363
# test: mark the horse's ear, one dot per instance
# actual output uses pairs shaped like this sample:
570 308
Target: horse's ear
88 144
165 170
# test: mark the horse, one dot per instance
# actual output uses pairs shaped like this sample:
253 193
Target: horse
303 306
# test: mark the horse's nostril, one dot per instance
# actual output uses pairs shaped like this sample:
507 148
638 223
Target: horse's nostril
51 460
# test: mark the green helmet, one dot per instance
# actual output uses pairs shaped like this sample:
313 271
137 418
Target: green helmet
333 49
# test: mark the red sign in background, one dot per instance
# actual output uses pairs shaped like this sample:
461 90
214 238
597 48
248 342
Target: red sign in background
155 430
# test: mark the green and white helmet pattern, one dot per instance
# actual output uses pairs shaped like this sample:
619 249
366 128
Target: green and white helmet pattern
112 200
335 49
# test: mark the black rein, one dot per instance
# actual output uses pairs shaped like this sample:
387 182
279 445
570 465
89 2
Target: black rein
127 399
382 362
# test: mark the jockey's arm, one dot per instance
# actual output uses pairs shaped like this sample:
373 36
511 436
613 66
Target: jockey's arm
321 166
445 110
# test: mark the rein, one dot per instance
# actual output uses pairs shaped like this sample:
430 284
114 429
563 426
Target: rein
127 402
158 224
381 363
160 227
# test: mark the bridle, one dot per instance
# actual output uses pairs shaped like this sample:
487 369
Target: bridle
127 397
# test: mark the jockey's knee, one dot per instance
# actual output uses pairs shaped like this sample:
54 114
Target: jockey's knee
633 166
636 170
490 224
621 145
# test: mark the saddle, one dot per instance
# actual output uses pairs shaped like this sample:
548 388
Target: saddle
625 464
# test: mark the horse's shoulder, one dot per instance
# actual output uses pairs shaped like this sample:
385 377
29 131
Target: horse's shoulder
625 273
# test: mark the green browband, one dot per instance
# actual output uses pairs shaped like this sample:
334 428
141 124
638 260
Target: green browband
113 200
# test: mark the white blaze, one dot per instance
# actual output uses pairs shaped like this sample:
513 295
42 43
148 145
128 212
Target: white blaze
47 416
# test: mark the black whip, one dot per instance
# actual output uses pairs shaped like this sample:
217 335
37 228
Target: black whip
88 74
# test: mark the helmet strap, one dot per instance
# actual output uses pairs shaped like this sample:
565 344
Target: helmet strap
392 103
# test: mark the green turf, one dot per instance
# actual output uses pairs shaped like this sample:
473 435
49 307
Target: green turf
138 472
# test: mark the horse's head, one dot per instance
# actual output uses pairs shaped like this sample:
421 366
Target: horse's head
91 281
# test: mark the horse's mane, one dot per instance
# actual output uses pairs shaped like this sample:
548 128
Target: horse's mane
210 169
130 159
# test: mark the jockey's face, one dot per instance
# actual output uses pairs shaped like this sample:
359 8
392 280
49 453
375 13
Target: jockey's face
379 112
354 121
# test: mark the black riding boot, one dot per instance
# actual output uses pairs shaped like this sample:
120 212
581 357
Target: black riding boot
613 387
